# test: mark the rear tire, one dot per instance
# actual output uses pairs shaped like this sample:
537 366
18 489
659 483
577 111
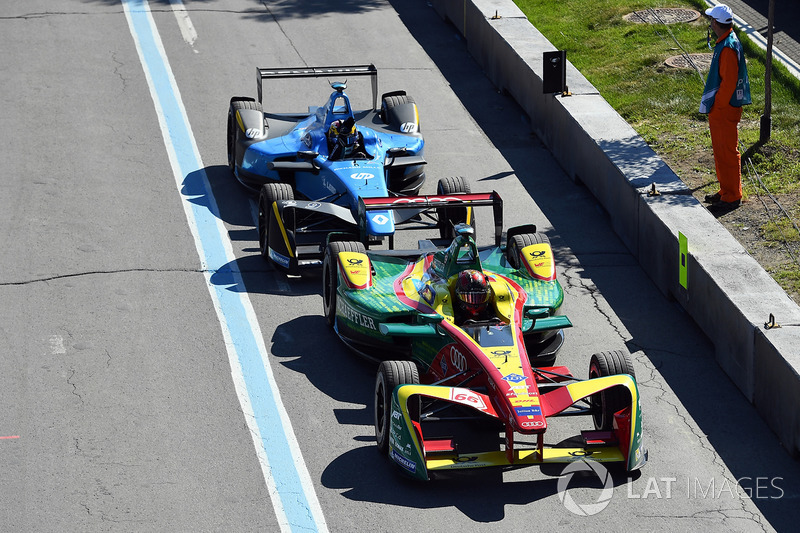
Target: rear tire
605 403
330 278
390 375
390 102
233 127
270 193
450 216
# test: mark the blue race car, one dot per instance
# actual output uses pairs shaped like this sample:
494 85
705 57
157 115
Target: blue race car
311 168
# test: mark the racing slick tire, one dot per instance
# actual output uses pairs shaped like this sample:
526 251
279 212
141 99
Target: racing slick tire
330 278
390 375
405 181
520 241
605 403
389 102
534 341
270 193
450 216
233 130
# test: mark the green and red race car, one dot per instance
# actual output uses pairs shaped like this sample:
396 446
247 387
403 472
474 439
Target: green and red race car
445 377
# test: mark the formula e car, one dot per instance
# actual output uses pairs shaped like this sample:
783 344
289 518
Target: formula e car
322 160
439 372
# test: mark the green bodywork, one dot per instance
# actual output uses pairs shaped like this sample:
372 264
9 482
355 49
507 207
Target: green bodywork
379 318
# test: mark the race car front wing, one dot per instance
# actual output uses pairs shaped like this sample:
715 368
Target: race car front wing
420 457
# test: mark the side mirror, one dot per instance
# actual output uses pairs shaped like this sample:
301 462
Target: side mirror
434 318
307 155
537 313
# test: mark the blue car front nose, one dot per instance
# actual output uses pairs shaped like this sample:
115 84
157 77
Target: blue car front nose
380 223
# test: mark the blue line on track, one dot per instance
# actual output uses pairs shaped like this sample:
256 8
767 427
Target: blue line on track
214 250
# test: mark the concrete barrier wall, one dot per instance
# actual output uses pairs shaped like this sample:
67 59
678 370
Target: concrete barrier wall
729 294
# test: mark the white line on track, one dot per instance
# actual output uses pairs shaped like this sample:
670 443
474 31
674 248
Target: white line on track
285 473
184 22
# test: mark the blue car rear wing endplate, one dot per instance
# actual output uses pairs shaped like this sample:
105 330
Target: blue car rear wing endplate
317 72
424 203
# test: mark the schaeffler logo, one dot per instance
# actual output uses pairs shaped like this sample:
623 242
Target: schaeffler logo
586 509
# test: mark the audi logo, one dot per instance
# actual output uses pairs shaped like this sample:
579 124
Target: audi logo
419 200
458 360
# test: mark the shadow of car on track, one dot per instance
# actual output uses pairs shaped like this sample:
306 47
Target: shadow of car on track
333 370
231 204
482 495
256 277
362 474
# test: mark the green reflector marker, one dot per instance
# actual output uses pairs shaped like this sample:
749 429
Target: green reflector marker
683 244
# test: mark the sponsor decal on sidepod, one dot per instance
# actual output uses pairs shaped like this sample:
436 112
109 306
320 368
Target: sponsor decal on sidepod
397 441
354 316
408 464
278 258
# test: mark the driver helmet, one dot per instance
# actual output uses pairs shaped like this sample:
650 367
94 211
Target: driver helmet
344 133
472 292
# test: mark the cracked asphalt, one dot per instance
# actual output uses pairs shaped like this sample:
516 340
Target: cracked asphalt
118 409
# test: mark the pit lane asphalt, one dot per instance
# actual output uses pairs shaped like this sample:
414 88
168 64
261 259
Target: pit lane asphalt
114 374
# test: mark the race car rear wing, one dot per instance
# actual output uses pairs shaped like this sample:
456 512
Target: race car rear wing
318 72
425 203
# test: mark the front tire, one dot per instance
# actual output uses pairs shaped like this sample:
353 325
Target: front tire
233 128
330 278
607 402
270 193
520 241
390 375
